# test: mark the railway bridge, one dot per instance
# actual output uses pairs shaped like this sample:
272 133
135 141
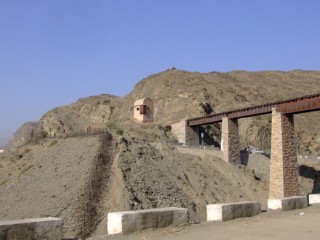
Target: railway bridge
284 176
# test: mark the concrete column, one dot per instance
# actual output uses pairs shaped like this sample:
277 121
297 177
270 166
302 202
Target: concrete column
284 174
230 140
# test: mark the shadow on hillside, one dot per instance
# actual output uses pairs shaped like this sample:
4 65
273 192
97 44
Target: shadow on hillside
206 139
311 173
244 156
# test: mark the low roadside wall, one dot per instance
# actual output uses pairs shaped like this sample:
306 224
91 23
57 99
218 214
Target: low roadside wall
229 211
32 229
132 221
288 203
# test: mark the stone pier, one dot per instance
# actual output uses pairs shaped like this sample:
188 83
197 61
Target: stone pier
284 174
186 134
230 140
192 135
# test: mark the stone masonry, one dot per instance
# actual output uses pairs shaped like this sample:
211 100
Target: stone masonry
185 134
284 175
230 140
179 130
192 135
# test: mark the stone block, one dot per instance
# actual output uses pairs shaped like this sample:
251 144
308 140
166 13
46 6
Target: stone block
229 211
288 203
35 229
314 198
132 221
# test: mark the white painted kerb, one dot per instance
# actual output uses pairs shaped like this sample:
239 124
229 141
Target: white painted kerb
132 221
288 203
228 211
314 198
35 228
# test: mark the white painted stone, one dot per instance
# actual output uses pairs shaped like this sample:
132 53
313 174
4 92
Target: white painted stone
314 198
229 211
36 228
131 221
288 203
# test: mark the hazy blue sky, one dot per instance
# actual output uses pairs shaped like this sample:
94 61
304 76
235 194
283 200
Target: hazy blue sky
53 52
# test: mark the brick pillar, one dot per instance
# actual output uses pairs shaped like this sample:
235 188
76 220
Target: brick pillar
230 140
192 135
284 174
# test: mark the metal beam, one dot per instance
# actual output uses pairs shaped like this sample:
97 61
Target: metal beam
308 104
295 105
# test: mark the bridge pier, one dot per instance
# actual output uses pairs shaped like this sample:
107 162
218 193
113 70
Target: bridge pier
185 134
284 174
230 140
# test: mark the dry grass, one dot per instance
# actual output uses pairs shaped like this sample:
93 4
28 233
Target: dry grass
24 170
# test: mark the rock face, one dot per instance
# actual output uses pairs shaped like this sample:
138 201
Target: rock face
77 117
25 133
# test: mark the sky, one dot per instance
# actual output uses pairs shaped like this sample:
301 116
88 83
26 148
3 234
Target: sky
53 52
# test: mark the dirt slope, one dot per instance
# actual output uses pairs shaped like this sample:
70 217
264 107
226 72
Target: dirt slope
53 177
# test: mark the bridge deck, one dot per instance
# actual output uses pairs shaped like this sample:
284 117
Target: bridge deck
294 105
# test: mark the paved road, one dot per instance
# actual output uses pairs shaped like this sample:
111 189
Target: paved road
299 224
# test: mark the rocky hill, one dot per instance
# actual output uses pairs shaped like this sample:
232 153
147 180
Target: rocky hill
180 94
87 158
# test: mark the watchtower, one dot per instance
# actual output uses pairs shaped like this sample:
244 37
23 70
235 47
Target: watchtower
143 110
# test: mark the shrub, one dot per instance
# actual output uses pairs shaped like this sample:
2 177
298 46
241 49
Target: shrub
24 170
119 131
110 125
3 182
26 150
54 142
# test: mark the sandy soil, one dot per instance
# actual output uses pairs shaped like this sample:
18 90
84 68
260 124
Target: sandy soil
271 225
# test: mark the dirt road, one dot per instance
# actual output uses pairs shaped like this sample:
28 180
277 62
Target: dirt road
297 224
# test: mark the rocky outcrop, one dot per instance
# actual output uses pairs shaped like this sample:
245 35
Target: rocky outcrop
88 112
26 133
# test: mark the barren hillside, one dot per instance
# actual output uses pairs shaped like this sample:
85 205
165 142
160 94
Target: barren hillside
180 94
87 158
